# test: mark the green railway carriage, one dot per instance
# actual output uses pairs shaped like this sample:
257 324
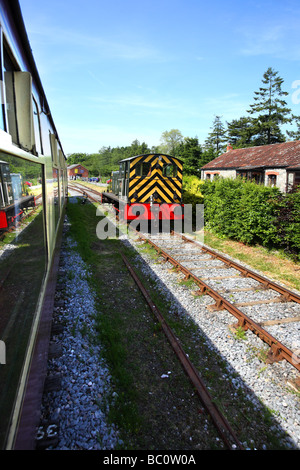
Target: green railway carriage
147 186
33 180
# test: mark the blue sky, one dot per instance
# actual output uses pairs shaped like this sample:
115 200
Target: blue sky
119 70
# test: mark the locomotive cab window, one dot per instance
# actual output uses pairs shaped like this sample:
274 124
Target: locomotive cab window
143 169
169 170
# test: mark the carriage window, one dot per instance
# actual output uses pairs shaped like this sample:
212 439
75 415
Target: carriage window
37 127
10 95
23 258
169 170
2 111
143 169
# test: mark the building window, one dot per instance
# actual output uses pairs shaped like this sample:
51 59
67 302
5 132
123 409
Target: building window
272 180
297 178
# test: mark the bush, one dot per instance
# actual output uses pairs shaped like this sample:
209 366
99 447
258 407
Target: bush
191 190
241 210
248 212
287 222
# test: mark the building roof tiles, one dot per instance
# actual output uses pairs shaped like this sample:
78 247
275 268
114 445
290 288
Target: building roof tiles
284 155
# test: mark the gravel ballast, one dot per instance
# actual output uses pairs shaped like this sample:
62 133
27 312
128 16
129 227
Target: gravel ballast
81 405
267 382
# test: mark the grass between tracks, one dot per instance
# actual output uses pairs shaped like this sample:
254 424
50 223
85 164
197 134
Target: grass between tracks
155 406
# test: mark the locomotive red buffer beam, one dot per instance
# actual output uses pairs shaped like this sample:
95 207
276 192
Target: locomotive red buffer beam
149 211
10 213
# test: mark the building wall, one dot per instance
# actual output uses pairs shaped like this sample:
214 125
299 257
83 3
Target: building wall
280 174
222 173
78 171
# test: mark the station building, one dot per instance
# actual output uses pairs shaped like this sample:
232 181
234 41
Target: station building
272 165
77 171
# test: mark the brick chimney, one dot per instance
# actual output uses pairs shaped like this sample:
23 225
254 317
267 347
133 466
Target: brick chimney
229 147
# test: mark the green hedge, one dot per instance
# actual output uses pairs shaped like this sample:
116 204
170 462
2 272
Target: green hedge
252 213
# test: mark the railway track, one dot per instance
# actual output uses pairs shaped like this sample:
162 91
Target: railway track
222 425
186 256
207 268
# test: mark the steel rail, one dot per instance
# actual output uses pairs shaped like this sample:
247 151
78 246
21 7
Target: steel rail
268 283
278 351
220 422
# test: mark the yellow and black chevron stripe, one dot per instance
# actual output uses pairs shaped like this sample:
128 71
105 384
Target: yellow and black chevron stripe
162 189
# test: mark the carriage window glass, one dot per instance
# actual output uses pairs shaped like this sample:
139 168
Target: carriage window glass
9 68
169 170
2 111
37 127
2 100
23 260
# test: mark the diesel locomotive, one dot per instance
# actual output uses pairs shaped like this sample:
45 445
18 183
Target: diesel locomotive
13 201
147 187
30 150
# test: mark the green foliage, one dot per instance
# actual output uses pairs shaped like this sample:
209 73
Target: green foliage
270 110
217 137
252 213
107 160
191 189
170 140
287 221
193 156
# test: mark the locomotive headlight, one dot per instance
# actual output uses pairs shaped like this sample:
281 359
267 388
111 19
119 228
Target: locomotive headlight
155 195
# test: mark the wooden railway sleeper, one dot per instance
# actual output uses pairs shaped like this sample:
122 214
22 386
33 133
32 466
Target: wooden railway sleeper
278 352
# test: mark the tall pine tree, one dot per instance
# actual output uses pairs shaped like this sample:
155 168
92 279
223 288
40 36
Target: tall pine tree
270 110
217 137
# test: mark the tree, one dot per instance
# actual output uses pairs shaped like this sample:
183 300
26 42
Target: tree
217 137
170 140
240 132
190 152
270 109
295 135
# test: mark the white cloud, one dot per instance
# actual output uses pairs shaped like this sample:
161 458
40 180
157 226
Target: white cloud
94 45
276 40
